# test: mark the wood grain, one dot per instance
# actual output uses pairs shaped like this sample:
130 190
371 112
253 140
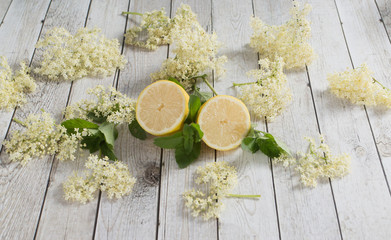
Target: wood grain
135 216
303 212
4 6
243 218
354 207
384 7
16 43
26 190
78 220
175 220
367 42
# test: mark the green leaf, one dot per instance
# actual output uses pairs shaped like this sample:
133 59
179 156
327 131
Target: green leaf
268 145
78 123
253 132
204 96
194 106
199 134
137 131
266 142
91 115
183 158
175 81
108 130
93 142
170 142
188 138
108 151
250 144
283 146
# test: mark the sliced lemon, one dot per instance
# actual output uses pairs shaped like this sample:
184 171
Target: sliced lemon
225 121
162 107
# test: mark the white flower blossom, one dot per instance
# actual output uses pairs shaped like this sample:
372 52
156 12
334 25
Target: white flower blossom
195 50
318 162
220 178
358 86
113 178
13 87
71 57
269 95
77 188
289 40
41 136
156 24
109 104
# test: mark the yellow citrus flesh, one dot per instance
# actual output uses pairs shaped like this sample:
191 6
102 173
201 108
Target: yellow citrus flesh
225 121
162 107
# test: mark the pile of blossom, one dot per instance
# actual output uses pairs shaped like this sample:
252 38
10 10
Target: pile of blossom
109 105
269 95
41 136
14 86
289 40
158 27
113 178
358 86
317 163
195 50
71 57
219 179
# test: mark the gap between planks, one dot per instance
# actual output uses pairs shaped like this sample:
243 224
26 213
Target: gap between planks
364 107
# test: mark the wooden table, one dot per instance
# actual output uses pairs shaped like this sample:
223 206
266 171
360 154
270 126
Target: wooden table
346 33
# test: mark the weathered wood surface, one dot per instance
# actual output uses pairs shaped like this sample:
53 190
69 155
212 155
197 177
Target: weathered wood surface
243 218
136 216
175 221
345 34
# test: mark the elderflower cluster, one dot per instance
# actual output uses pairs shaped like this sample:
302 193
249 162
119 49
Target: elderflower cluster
109 104
195 50
71 57
359 87
156 24
13 87
289 40
113 178
41 136
318 162
269 95
221 179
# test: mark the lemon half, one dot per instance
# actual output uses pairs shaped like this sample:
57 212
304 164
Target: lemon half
162 108
225 121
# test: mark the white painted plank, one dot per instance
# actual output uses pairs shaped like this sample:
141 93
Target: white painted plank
384 7
135 217
243 218
4 5
363 199
303 212
175 220
16 43
25 186
77 221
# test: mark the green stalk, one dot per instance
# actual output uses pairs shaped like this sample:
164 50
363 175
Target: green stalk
133 13
241 84
243 196
20 122
210 86
384 87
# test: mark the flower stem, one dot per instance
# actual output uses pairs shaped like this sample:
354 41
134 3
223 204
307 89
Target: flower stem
241 84
243 196
133 13
384 87
20 122
210 86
